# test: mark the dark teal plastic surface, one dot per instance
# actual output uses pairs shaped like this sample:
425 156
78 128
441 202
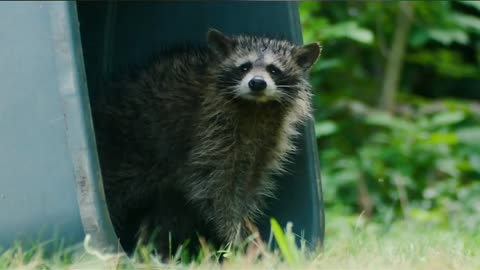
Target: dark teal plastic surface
50 185
50 180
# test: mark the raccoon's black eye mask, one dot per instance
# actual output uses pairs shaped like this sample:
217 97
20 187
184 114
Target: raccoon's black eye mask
272 69
245 67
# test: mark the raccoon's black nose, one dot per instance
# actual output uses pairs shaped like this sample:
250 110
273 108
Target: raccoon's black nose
257 84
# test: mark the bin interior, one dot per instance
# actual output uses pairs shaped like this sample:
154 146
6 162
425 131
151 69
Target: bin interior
119 35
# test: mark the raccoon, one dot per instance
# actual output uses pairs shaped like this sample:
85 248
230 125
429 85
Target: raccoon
188 146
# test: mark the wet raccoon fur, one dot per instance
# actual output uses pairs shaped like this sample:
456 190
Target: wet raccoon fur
188 145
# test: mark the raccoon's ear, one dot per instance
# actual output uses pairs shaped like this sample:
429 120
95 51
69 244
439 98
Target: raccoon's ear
307 55
219 42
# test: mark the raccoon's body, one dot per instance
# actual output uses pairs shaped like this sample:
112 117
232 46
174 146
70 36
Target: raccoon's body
188 146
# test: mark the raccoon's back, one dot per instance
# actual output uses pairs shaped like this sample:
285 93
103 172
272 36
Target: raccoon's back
144 124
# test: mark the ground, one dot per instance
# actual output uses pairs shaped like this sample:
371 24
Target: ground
351 243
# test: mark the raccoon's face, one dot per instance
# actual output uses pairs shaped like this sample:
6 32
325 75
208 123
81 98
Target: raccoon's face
258 76
261 69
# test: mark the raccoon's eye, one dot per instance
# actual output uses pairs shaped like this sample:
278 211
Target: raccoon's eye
273 70
245 67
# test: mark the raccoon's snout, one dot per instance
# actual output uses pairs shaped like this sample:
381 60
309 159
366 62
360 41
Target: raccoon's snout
257 84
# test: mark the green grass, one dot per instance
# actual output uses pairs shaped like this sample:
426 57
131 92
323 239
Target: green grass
351 243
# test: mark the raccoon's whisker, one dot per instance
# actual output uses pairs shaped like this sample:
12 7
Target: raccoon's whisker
287 97
288 94
230 81
281 101
286 86
230 88
228 91
231 94
230 98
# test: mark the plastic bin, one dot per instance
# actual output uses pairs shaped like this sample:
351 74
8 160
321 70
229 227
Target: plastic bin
50 179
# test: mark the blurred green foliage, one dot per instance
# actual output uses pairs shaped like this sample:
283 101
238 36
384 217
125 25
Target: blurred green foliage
420 160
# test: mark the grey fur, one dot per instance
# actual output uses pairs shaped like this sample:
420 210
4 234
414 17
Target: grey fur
181 153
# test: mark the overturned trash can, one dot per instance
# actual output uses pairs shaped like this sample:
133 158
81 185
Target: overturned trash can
54 55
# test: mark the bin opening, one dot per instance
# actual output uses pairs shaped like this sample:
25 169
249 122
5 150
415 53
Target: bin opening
117 36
